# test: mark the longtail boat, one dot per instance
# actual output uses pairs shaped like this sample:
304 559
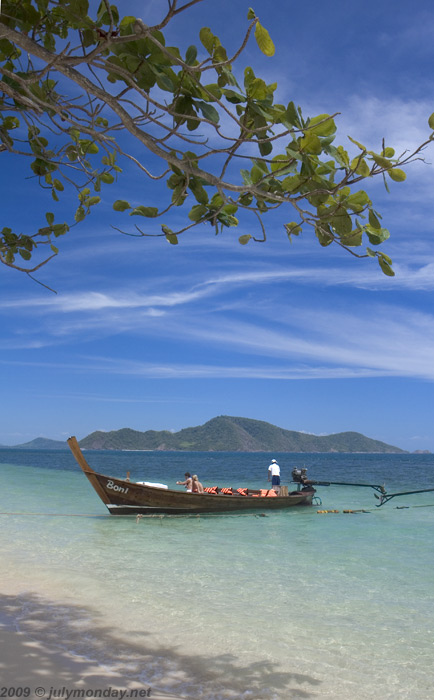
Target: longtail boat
124 497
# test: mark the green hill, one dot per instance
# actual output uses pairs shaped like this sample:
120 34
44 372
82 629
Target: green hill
227 433
41 444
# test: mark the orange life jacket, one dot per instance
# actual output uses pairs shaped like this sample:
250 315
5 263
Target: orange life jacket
242 492
211 489
271 493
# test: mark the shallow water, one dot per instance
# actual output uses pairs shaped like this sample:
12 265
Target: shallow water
293 605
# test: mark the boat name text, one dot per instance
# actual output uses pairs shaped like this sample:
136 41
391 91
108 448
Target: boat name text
114 487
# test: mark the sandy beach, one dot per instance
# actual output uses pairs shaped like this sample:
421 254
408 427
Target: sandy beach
39 639
40 663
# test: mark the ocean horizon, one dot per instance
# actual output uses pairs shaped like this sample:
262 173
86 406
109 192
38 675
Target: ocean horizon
297 604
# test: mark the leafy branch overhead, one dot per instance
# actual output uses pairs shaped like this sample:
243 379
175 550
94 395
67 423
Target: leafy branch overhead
84 94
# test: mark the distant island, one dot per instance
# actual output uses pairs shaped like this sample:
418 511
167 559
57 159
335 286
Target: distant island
230 434
39 443
223 434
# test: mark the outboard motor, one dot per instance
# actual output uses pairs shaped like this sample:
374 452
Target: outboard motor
296 475
300 475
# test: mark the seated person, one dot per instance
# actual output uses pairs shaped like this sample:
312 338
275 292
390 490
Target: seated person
187 483
196 486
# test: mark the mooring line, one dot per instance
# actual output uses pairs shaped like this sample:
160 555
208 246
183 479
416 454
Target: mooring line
64 515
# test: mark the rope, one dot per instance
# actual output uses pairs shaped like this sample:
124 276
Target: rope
62 515
139 516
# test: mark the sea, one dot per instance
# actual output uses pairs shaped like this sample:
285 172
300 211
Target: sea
293 604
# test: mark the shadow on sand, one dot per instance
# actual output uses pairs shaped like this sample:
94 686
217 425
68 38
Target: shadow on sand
58 648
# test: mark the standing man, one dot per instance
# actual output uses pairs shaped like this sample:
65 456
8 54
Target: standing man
274 475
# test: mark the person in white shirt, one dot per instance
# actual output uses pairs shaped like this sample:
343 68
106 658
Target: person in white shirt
274 475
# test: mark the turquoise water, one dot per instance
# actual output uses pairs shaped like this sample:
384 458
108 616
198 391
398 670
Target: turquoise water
293 605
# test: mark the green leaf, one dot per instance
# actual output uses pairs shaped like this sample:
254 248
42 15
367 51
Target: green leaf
311 144
50 218
264 40
171 237
247 178
324 235
244 239
353 239
234 97
291 115
357 201
342 223
377 236
191 55
91 201
88 146
257 89
279 162
150 212
431 121
385 266
208 39
380 160
265 148
360 166
251 14
80 214
322 125
208 111
197 212
388 152
373 221
359 145
107 178
121 205
199 192
60 229
293 229
397 174
164 83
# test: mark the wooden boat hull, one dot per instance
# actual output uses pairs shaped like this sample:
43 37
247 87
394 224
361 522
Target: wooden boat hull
123 497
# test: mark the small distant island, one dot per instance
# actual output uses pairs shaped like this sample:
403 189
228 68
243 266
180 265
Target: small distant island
224 434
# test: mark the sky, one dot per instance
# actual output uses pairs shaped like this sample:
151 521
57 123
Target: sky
150 336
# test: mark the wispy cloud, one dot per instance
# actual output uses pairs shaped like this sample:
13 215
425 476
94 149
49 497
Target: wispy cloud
302 343
418 276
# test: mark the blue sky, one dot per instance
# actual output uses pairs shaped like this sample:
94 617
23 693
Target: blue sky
146 335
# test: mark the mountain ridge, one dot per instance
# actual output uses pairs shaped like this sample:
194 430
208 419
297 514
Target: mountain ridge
234 434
